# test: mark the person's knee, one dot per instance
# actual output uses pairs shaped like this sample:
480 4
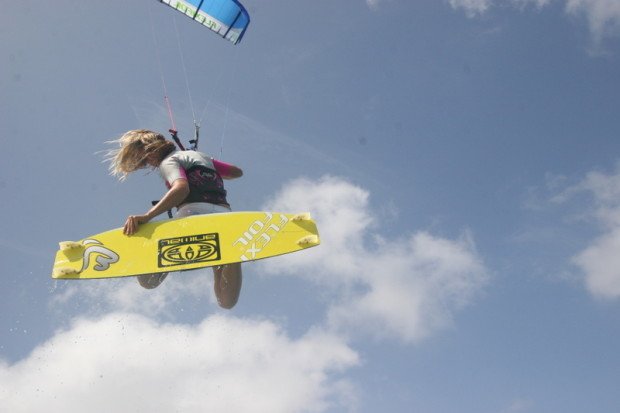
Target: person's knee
227 302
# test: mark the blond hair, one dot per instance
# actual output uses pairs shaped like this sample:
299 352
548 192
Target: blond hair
134 147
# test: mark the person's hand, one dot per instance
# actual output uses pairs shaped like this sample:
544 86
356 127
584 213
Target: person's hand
133 223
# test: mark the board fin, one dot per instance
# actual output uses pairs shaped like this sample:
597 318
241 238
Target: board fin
305 216
308 241
70 245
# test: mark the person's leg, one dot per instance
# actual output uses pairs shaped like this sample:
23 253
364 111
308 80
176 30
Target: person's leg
227 284
150 281
226 278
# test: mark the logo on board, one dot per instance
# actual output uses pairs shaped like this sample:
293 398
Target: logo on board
103 257
188 250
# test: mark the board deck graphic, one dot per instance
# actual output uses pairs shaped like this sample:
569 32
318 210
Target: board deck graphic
186 243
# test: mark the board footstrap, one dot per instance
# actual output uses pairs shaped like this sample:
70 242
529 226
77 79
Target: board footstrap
302 217
70 245
63 272
308 241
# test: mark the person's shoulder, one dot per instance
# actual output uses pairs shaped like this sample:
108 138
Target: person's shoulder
205 155
198 156
170 159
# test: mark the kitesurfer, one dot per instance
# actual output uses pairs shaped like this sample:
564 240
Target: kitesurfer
195 186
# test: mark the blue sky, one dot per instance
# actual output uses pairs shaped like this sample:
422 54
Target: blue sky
460 158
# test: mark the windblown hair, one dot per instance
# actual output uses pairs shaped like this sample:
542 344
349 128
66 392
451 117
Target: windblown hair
134 147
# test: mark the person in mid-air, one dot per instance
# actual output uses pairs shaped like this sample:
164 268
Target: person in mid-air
195 186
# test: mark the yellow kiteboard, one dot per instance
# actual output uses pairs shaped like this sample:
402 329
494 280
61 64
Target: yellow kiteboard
186 244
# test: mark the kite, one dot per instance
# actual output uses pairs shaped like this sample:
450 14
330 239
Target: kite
228 18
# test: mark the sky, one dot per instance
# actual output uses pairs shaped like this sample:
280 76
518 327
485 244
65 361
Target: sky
460 158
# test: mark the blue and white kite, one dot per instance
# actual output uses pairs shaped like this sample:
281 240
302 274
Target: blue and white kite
228 18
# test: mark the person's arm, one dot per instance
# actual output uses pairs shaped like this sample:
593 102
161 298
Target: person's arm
175 195
227 170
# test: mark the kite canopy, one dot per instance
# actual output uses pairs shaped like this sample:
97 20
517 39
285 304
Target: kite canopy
228 18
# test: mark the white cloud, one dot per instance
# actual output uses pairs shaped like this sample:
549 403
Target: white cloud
411 288
603 15
405 287
472 7
600 261
127 362
601 264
